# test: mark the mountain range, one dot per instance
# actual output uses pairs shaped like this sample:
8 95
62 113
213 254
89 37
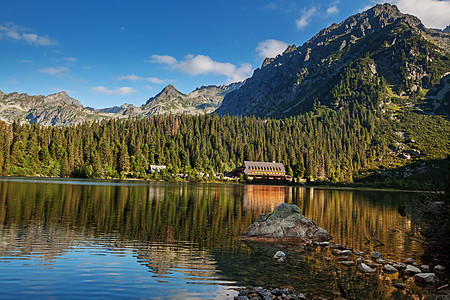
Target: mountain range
377 57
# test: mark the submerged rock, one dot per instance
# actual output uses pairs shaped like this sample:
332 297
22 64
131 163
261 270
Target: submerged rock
285 223
426 278
399 286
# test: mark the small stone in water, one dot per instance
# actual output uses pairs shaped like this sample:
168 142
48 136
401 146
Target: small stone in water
399 265
279 254
439 268
276 292
425 268
243 292
341 252
376 255
389 269
399 286
381 261
347 263
340 247
412 269
409 260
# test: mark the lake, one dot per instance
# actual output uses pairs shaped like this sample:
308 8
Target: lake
67 238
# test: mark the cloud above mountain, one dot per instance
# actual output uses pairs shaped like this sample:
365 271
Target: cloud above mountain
118 91
270 48
202 64
305 17
433 13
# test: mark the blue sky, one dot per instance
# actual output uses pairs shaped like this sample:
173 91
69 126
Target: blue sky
107 53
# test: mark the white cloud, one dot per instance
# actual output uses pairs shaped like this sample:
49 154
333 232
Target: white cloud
155 80
55 71
202 64
133 77
69 59
118 91
270 48
163 59
305 17
270 6
332 10
433 13
19 33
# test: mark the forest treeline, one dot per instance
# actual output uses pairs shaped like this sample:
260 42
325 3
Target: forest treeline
327 144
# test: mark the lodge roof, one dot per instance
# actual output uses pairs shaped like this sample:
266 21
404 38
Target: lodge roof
263 167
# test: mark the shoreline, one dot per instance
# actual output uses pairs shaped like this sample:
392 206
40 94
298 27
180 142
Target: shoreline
319 186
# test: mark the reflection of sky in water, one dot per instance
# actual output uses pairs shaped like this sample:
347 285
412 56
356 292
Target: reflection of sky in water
89 268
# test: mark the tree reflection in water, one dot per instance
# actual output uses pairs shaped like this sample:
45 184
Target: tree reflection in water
190 230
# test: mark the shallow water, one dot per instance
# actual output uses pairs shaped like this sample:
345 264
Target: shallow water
103 239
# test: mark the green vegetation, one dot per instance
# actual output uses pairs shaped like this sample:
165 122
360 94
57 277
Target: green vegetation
325 145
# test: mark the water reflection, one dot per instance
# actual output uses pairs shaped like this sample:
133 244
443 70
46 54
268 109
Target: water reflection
180 234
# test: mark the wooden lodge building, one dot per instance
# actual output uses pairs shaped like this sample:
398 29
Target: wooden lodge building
254 169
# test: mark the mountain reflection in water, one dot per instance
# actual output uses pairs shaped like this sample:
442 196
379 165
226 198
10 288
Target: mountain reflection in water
183 238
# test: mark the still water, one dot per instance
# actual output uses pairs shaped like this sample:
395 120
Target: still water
104 239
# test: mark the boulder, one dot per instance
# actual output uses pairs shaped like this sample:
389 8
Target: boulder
285 223
426 278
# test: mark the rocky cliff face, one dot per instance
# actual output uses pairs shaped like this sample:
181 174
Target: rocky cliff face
290 83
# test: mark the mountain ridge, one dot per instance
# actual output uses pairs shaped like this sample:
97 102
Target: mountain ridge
59 109
289 83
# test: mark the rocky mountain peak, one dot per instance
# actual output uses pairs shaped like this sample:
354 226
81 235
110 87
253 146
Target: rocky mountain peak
361 24
62 96
169 93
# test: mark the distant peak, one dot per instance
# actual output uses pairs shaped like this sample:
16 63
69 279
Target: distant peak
167 94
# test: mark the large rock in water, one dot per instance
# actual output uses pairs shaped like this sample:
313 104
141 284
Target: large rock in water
285 223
